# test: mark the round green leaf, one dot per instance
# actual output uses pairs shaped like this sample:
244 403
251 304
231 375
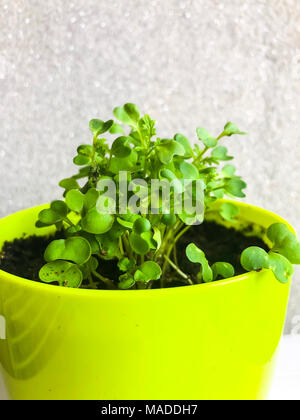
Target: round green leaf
220 153
138 244
126 264
281 267
186 145
289 248
222 269
188 170
167 149
202 133
56 213
82 160
235 187
254 258
133 112
53 271
73 277
90 198
141 225
85 149
76 249
231 128
121 147
97 223
116 129
168 219
63 272
278 232
75 200
129 114
229 212
228 171
69 184
99 127
126 281
196 255
210 142
147 271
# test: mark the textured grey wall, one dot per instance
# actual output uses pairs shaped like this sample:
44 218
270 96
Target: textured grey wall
186 62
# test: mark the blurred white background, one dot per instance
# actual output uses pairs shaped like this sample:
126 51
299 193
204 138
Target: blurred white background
186 62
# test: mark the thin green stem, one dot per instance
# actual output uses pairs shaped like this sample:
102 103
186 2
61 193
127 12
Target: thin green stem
105 280
175 266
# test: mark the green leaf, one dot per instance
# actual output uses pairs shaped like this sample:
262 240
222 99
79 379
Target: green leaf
126 281
278 232
109 246
97 223
281 267
126 264
82 160
132 111
228 171
235 186
210 142
124 164
141 225
128 114
181 139
167 149
220 153
63 272
138 244
157 237
254 258
75 248
116 129
121 147
85 149
55 214
147 271
229 212
188 170
202 133
206 138
289 248
171 177
230 129
99 127
222 269
125 223
94 244
96 125
196 255
75 200
69 184
90 198
285 242
169 219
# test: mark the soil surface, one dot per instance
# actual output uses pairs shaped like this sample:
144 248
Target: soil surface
218 243
24 257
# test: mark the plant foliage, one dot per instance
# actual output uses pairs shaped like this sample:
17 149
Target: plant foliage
144 245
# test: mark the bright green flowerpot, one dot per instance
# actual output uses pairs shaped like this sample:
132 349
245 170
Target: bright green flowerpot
208 341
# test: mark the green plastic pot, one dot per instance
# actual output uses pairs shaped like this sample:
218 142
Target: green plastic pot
208 341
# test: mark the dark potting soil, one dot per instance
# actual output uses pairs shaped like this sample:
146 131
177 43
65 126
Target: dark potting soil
219 243
24 257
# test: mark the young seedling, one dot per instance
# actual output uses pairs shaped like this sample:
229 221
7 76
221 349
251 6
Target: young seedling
144 244
285 252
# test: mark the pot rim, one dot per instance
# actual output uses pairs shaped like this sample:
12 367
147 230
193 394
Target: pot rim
44 287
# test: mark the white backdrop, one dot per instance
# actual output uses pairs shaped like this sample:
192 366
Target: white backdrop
186 62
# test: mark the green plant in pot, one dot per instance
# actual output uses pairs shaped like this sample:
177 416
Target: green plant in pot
153 265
